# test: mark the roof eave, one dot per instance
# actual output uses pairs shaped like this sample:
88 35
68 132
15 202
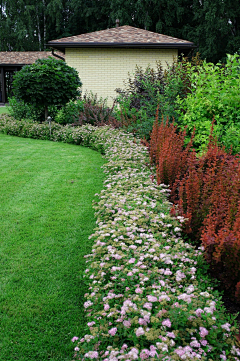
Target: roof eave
61 46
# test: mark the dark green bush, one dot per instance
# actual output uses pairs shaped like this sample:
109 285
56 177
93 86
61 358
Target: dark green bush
45 83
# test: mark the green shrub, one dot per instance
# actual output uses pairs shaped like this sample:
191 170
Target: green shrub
214 94
45 83
70 112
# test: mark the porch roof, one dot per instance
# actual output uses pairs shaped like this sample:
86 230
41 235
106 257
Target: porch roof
11 58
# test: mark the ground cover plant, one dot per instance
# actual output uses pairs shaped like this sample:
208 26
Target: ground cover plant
46 217
149 296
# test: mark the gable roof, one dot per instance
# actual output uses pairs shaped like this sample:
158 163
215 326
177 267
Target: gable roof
122 36
22 57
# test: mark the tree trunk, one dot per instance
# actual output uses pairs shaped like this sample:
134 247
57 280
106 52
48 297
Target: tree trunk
46 112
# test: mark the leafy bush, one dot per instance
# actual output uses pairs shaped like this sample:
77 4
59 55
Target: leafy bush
69 113
20 110
95 112
45 83
214 94
150 89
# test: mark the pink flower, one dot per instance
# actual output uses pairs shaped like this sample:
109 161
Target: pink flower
91 323
226 327
140 331
132 260
91 354
106 307
144 354
130 274
167 323
152 298
76 349
194 343
138 290
203 332
113 331
75 338
141 321
199 311
204 342
148 305
170 334
127 323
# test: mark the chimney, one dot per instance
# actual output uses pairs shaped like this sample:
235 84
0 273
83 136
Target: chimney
117 23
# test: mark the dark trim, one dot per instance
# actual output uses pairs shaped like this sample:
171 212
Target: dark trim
62 45
57 56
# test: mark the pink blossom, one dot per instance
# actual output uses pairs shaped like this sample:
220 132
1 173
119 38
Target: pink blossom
204 342
199 311
127 323
113 331
152 298
144 354
76 349
148 305
91 323
130 274
141 321
91 354
106 307
140 331
75 338
203 332
194 343
226 327
171 334
167 322
138 290
132 260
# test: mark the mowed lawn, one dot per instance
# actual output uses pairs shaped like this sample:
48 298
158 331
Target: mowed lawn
3 110
46 217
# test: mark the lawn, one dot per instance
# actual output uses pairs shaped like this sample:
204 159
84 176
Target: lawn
3 110
46 217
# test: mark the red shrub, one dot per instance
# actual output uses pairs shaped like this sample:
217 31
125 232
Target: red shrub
222 250
206 191
168 153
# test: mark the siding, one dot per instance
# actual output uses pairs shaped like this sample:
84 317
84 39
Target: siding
102 70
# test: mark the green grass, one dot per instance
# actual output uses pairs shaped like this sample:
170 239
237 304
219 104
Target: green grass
3 110
46 216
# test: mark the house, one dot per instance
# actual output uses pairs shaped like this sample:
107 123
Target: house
104 58
12 61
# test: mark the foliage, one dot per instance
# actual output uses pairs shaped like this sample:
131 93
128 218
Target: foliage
205 190
95 112
20 110
150 89
214 94
222 249
45 83
169 153
211 25
70 112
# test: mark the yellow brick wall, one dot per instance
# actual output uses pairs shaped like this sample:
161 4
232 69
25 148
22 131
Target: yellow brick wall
103 70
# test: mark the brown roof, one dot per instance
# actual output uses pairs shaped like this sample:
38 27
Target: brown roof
23 57
121 36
